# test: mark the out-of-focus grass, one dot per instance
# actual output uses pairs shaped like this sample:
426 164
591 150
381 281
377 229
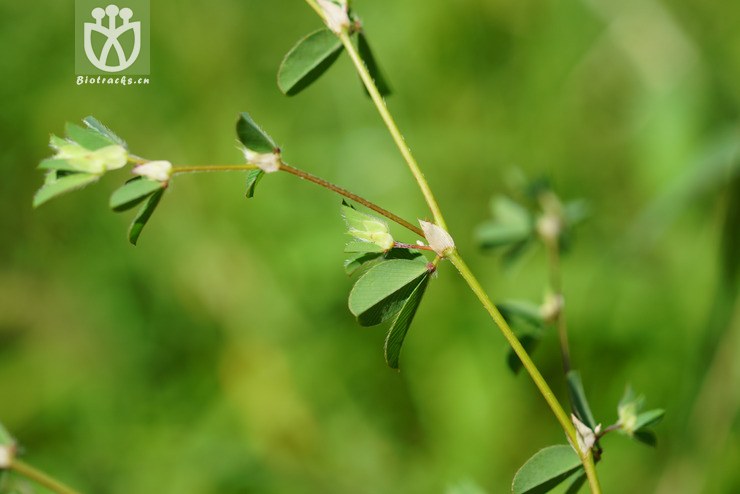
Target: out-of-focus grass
219 356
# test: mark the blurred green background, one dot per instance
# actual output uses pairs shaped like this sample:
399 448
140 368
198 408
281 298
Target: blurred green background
219 356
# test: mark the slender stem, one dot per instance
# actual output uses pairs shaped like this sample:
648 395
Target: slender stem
556 287
177 170
529 365
393 129
40 477
311 178
352 196
586 459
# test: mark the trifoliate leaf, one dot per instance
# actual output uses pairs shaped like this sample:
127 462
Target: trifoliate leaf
308 60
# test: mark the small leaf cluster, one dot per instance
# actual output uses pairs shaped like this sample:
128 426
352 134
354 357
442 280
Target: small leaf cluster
538 216
558 464
87 153
392 283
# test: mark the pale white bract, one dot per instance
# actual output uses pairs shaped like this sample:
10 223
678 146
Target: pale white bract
439 240
335 15
6 456
160 171
267 162
586 437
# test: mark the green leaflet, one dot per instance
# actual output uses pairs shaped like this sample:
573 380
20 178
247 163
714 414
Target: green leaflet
397 334
578 399
56 185
142 217
366 259
87 138
646 419
252 136
94 124
381 291
253 178
308 60
545 470
132 193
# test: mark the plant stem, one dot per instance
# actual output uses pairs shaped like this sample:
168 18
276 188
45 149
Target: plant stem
177 170
393 129
40 477
556 287
547 393
349 195
529 365
311 178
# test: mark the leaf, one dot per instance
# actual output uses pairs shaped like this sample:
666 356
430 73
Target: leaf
367 228
577 479
524 309
253 178
646 436
381 291
58 186
646 419
252 136
357 246
94 124
87 138
399 328
365 259
372 66
511 224
132 193
578 399
545 470
56 164
308 60
142 217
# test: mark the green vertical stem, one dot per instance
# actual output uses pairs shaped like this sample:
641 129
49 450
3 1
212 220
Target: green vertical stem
531 368
40 477
556 287
393 129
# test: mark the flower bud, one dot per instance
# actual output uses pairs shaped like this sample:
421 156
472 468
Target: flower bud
439 240
159 171
267 162
335 15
